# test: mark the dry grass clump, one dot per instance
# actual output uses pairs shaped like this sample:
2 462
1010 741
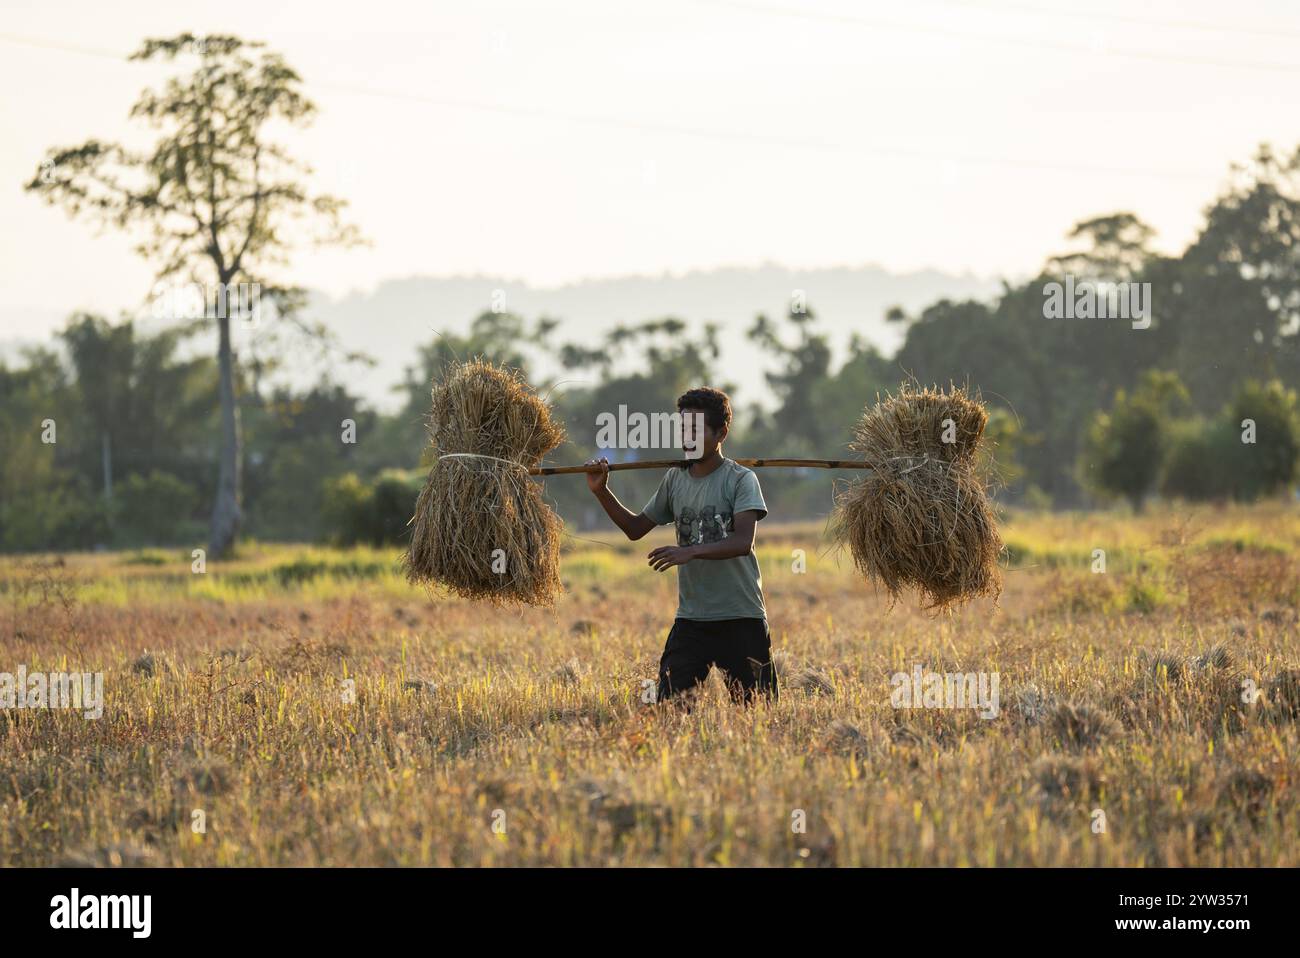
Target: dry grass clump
1067 778
205 778
1032 704
811 681
118 855
921 517
1247 791
1165 667
1283 694
481 527
1218 658
1200 692
1081 726
845 738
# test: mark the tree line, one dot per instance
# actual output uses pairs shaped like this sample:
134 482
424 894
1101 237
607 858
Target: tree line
116 436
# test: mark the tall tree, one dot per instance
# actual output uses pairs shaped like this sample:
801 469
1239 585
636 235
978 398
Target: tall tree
1119 247
804 365
215 201
1237 293
498 337
1126 446
140 407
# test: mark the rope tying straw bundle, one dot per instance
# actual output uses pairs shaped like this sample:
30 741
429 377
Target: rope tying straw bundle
480 455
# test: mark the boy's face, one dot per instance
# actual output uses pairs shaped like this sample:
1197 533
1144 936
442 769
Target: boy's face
699 439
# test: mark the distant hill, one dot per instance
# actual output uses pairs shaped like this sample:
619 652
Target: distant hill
392 320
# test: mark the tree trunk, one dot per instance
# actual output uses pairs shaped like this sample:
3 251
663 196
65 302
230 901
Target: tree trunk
226 514
106 460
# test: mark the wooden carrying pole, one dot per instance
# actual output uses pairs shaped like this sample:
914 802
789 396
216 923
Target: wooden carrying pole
669 463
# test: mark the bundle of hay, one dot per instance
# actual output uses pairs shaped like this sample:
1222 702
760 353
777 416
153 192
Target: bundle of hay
481 527
921 517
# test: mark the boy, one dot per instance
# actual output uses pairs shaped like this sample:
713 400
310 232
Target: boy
715 504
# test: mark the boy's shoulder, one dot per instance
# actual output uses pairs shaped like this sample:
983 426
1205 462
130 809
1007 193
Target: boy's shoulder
737 471
730 472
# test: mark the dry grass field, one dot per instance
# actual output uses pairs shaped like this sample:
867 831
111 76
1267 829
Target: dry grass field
318 711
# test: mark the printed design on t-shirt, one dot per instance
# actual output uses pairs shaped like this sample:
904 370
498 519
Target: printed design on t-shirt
707 525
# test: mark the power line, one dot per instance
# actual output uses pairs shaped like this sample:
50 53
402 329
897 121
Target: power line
1124 18
1023 42
62 47
800 143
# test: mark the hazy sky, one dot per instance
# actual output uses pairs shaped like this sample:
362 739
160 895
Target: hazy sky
550 142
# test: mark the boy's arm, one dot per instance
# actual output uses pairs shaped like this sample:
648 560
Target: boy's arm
634 524
738 542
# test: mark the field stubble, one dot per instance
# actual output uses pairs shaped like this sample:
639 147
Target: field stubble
315 710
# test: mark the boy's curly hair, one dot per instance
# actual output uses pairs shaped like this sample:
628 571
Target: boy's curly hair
714 403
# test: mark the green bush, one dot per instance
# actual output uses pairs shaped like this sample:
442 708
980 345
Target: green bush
393 503
1125 448
1198 465
304 570
374 512
64 515
345 502
1270 462
286 490
1212 460
153 509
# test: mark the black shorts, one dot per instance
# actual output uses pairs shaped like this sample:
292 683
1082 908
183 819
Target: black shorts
741 648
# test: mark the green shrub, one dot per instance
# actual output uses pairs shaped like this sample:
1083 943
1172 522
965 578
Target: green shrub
157 508
1125 447
375 513
1271 461
345 501
1198 466
1212 460
51 511
392 505
303 570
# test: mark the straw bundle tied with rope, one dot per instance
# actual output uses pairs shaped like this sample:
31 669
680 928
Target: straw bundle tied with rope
481 527
919 517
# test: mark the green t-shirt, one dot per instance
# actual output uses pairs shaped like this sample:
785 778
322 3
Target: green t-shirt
704 511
